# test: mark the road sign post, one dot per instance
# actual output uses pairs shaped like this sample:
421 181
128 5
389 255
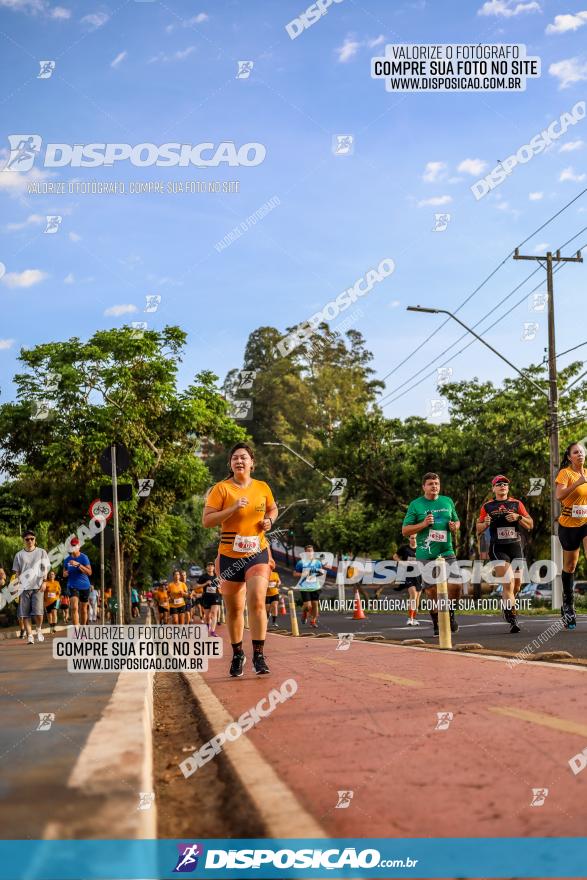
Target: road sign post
101 510
119 611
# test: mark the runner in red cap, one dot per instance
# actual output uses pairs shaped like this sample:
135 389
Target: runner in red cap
504 517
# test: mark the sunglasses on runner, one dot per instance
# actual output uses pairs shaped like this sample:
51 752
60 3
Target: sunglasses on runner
29 539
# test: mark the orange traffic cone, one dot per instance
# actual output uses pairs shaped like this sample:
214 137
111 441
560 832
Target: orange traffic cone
282 608
358 613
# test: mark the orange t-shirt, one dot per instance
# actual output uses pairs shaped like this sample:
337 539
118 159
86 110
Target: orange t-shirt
177 594
161 598
52 592
574 507
242 533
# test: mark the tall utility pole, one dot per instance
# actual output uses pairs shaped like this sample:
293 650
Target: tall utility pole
547 261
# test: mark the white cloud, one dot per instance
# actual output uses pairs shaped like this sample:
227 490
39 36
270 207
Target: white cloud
434 171
541 248
569 174
475 167
31 220
507 8
378 41
73 236
120 57
435 201
571 146
95 19
177 56
564 23
24 279
535 196
569 71
394 304
36 7
69 279
116 311
14 182
197 19
5 344
348 50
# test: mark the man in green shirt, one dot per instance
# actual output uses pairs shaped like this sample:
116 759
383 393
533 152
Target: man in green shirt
433 519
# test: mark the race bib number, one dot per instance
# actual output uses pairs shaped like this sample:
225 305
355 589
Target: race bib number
579 511
211 589
51 595
437 535
507 533
311 579
178 601
247 544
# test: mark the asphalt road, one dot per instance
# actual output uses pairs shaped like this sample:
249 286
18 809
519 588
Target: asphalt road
36 764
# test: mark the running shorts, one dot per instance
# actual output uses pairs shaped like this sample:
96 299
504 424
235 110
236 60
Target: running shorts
136 605
507 552
571 537
270 599
31 604
51 607
177 609
310 595
83 595
162 610
210 599
235 570
453 572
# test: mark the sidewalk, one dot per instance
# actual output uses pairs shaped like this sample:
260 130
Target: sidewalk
364 720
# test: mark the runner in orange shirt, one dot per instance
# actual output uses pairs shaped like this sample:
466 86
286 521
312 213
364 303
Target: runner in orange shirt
571 491
244 509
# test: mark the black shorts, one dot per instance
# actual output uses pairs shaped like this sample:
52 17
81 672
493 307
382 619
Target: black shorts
270 599
177 609
83 595
506 551
235 570
310 595
453 572
51 607
415 582
136 604
199 600
162 610
210 599
571 537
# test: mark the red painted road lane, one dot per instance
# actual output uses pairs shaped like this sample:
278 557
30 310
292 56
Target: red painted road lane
364 720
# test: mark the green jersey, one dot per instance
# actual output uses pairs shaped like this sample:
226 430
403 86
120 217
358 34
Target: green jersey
434 540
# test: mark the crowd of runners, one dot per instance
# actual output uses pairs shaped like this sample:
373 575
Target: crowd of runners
244 571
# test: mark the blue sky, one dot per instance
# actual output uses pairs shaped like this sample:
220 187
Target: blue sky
160 72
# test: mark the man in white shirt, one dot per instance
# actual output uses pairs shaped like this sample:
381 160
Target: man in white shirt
31 566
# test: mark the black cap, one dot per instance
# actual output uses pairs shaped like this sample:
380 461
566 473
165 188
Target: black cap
29 532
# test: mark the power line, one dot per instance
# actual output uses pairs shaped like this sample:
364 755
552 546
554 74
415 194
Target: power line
484 282
480 321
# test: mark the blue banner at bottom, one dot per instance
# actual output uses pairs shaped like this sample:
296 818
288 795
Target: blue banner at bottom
268 858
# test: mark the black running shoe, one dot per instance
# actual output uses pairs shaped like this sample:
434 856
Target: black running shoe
569 616
514 628
260 664
436 629
238 662
454 627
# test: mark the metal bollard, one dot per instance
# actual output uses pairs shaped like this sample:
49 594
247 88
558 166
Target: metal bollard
445 635
292 613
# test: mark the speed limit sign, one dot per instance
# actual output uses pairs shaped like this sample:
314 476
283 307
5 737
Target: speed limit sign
100 509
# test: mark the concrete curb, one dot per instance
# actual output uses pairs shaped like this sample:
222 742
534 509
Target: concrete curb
278 807
115 765
10 633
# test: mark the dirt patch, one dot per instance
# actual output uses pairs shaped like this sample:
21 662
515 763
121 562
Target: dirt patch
209 804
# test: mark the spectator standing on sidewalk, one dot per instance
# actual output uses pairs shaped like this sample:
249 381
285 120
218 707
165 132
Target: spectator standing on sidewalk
31 565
